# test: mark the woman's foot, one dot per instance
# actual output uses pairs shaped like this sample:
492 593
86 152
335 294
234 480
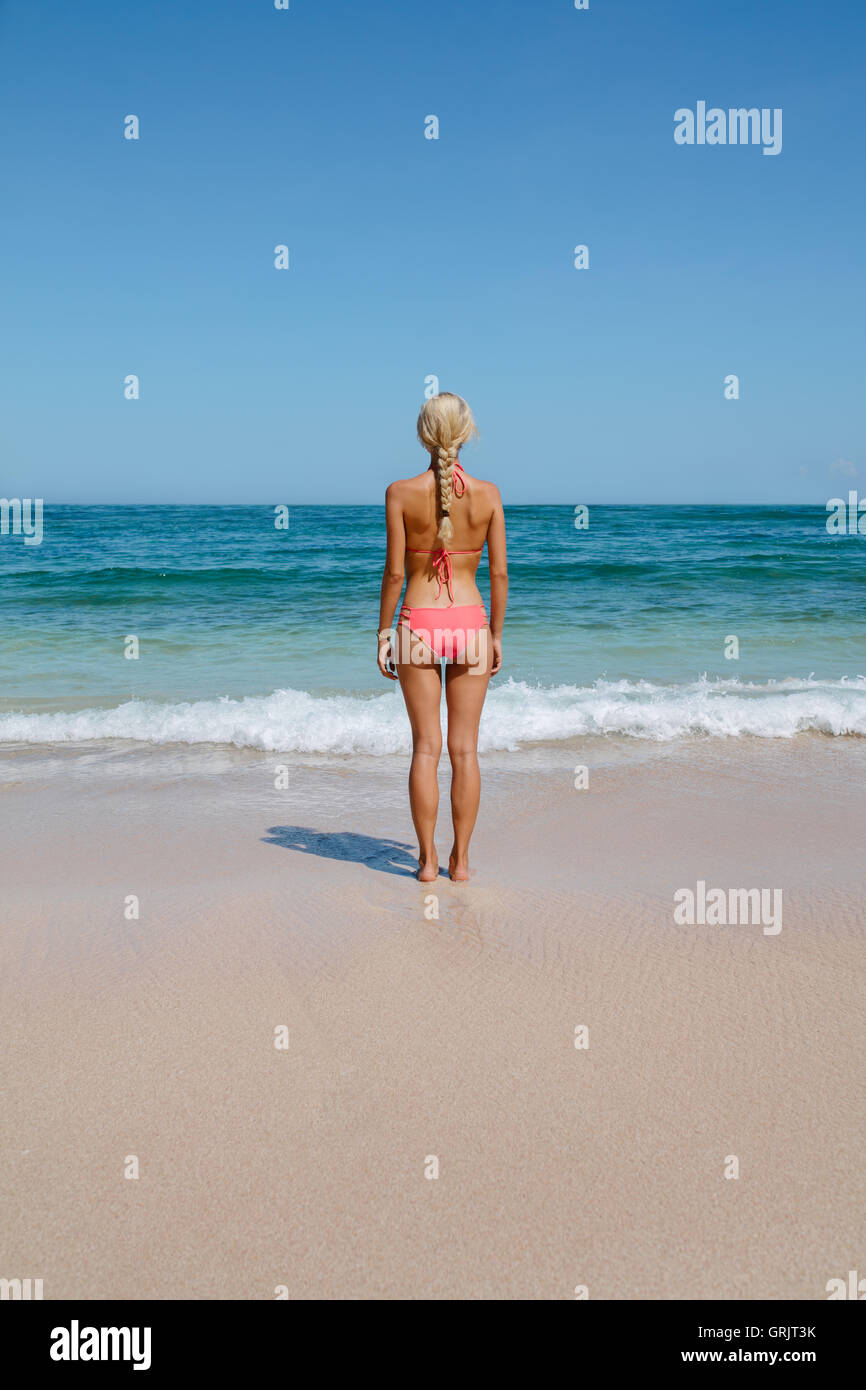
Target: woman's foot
428 870
458 869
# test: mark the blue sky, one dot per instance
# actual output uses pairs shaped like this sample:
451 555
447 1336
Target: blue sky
412 257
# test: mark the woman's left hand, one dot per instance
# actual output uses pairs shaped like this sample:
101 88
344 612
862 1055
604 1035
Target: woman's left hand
385 658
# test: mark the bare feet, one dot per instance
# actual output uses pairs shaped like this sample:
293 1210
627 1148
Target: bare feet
428 870
458 870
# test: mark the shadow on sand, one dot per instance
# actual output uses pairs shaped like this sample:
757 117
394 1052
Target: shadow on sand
387 856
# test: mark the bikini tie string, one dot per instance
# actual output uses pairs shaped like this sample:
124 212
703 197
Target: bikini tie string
444 571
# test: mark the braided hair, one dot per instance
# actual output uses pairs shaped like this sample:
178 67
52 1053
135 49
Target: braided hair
447 457
444 425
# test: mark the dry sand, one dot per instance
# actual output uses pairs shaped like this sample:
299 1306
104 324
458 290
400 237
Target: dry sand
412 1037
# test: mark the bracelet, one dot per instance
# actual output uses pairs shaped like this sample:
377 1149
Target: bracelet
385 632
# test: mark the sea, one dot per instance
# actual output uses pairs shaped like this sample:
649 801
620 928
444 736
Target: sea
221 625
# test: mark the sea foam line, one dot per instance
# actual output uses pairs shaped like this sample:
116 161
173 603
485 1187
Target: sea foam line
515 713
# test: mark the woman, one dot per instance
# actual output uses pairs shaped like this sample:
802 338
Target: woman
437 525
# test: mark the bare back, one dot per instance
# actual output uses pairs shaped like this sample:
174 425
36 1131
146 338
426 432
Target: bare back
413 511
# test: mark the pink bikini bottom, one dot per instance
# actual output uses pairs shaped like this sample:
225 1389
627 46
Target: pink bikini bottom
446 631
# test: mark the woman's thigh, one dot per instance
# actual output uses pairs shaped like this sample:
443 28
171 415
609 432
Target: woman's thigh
421 685
466 685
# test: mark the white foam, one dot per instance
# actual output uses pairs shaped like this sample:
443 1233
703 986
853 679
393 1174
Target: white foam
515 713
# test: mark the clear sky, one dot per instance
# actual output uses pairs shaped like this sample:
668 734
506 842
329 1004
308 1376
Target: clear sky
411 257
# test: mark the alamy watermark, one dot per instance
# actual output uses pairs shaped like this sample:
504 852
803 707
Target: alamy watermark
420 644
21 1290
77 1343
847 519
737 126
852 1287
729 907
21 516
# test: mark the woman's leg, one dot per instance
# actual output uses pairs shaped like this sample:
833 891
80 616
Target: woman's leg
422 690
465 688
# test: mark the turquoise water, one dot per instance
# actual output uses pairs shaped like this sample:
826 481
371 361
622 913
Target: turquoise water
250 634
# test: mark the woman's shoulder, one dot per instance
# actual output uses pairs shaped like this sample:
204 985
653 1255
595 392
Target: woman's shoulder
483 486
404 486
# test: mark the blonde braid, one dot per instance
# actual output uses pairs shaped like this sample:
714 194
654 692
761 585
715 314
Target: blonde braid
445 473
444 425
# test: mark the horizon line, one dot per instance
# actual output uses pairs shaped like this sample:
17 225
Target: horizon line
381 504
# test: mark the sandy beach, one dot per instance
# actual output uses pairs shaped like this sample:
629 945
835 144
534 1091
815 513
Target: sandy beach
413 1037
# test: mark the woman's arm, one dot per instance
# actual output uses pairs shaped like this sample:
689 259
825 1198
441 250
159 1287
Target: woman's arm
394 573
498 578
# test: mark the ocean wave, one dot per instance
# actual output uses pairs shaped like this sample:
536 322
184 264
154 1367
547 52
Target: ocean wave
515 713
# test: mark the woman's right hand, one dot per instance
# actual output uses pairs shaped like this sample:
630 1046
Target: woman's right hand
497 656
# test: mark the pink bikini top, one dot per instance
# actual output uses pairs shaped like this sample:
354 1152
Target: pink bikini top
442 566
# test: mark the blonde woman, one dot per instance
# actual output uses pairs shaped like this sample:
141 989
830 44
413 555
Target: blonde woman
437 526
